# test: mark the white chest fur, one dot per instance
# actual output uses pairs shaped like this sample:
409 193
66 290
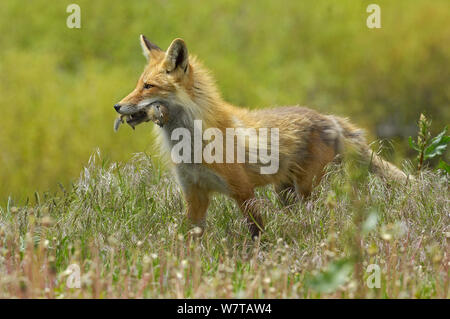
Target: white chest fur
197 174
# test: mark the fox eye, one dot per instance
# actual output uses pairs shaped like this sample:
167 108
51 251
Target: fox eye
148 86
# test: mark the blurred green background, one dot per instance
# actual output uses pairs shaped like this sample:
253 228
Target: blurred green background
58 85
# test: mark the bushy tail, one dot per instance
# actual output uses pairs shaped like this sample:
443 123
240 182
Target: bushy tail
354 137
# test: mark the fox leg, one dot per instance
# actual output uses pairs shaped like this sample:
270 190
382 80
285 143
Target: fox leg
303 186
308 173
197 201
286 193
309 177
249 209
241 190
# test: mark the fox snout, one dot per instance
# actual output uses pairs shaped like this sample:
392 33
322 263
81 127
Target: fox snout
125 109
137 114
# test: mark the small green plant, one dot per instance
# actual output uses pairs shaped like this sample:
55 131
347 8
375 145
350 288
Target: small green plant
428 147
336 275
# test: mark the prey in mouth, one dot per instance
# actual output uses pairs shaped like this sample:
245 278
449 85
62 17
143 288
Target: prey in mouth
155 112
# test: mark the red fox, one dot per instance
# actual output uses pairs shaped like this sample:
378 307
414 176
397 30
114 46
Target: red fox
175 91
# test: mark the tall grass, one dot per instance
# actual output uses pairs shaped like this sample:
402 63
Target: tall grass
124 226
58 85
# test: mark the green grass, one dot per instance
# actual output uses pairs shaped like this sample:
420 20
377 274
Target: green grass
58 85
124 225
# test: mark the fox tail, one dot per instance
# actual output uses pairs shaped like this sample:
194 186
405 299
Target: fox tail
354 137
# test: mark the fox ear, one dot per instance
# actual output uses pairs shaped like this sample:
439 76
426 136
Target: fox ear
148 47
176 56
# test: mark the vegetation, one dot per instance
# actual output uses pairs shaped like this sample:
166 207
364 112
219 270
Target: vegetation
124 226
58 85
121 220
428 147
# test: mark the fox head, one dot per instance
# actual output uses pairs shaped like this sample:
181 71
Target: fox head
167 78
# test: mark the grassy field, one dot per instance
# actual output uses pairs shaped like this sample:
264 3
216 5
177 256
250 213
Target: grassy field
119 217
58 85
123 225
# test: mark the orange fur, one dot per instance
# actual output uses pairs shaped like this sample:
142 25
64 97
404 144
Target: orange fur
308 141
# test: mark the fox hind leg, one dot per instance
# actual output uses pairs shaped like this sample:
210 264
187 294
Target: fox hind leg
308 173
249 207
286 193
